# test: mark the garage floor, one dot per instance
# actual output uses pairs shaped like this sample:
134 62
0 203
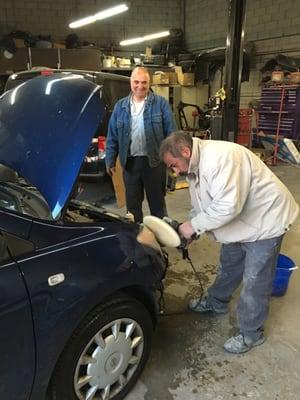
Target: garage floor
188 361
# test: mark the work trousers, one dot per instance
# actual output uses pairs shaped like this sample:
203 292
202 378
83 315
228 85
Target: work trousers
253 264
140 177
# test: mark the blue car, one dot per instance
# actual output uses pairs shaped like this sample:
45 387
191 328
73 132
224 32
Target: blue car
79 293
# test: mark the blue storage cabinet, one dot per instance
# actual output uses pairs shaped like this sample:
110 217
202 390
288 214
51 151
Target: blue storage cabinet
269 111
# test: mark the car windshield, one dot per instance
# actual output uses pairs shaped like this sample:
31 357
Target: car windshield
115 90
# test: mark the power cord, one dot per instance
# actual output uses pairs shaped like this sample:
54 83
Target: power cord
185 256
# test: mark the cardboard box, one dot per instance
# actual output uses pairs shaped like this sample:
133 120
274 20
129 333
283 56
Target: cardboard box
290 151
185 78
118 185
287 151
160 78
19 43
173 78
59 46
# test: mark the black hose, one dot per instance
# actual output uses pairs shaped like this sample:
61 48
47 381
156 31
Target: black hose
185 256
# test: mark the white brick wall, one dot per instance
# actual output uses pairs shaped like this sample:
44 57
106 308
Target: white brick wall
206 21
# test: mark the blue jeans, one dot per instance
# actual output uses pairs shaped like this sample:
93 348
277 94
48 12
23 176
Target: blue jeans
253 264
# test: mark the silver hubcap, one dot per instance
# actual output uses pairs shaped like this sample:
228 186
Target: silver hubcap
109 360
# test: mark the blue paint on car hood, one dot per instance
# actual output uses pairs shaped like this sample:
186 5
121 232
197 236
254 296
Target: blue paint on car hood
46 127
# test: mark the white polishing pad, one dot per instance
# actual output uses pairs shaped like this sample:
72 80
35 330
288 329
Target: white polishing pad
163 232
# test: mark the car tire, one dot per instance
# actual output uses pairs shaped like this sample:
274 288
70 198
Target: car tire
106 354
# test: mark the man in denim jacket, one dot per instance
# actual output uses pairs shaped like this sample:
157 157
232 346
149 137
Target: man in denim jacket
138 125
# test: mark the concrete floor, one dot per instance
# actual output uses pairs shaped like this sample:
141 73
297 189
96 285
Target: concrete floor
188 361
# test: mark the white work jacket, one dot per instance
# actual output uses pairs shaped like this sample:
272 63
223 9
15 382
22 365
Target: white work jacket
235 196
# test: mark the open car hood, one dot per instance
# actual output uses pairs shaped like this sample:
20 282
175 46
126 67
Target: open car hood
46 126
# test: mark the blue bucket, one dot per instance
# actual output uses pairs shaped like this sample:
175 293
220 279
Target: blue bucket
283 271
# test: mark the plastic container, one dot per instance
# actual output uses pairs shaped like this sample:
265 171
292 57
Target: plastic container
283 272
107 63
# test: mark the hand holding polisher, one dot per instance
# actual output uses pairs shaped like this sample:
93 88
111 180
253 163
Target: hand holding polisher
166 231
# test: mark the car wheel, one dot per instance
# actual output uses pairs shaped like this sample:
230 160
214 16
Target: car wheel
106 354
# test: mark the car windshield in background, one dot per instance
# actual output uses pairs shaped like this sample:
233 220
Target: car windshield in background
115 90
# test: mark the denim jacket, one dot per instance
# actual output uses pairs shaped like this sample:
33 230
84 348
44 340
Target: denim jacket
158 123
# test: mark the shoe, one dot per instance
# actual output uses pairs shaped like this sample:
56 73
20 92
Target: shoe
241 344
203 305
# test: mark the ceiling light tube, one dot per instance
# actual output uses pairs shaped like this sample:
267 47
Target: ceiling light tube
99 16
157 35
82 22
131 41
144 38
111 11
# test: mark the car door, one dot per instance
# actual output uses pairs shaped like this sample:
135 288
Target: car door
17 347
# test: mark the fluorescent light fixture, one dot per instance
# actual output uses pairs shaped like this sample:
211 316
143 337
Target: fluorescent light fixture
145 38
82 22
109 12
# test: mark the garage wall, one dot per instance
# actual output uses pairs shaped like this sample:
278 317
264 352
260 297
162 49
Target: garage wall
51 17
206 21
272 25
